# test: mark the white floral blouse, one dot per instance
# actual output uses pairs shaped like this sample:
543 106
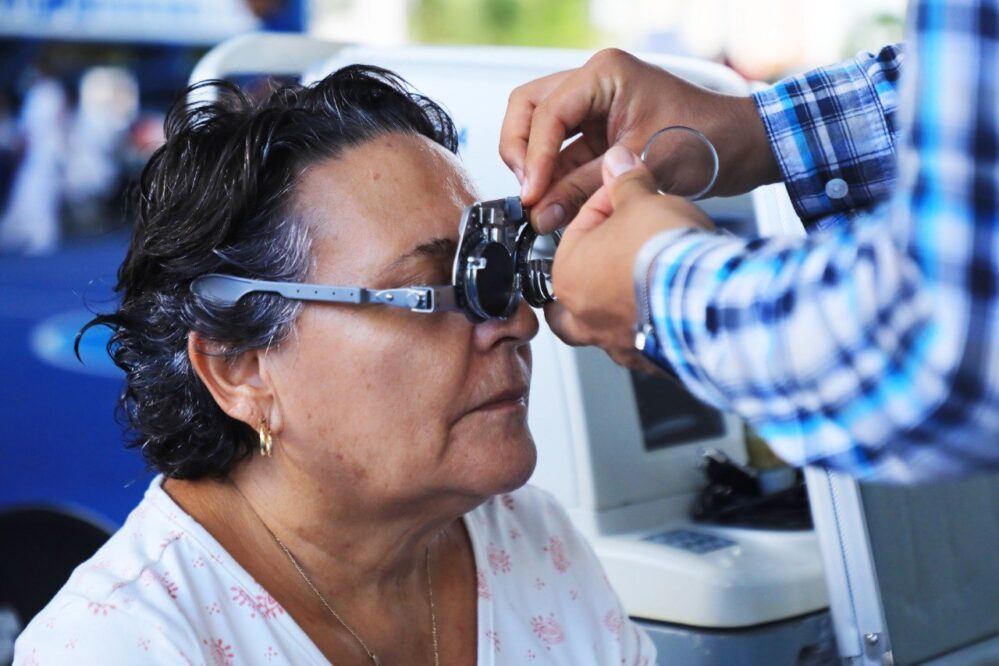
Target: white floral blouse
163 591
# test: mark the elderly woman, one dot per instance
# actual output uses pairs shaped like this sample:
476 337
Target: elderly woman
338 482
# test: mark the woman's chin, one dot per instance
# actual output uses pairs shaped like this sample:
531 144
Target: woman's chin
503 464
519 477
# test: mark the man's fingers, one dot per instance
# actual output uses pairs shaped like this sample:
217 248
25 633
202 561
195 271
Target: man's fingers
566 197
563 325
516 126
513 138
625 359
643 364
567 329
592 214
582 150
625 176
577 98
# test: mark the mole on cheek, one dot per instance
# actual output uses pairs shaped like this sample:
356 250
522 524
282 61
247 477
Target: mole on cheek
375 175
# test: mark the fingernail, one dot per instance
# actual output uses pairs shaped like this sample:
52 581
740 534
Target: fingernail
552 218
523 187
619 159
519 173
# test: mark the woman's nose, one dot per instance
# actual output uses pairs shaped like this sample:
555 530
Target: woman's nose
518 328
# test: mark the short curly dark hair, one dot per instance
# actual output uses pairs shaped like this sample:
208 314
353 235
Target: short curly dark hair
217 197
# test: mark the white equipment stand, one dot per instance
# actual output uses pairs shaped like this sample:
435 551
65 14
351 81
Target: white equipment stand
708 595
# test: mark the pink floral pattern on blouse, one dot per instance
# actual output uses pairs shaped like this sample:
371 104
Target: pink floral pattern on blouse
221 653
548 630
262 603
556 549
614 622
499 560
483 585
150 575
162 590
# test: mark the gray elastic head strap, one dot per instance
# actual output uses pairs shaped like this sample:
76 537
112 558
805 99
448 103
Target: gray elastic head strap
226 290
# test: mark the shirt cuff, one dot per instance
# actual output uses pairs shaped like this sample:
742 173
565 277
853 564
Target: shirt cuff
833 133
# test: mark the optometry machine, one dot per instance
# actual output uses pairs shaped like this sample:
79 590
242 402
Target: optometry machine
624 452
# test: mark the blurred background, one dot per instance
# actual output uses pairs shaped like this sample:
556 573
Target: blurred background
84 86
84 83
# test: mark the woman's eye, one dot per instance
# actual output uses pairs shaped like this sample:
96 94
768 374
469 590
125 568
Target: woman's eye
429 275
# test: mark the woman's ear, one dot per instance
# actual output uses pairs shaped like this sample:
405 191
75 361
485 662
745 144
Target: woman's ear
236 382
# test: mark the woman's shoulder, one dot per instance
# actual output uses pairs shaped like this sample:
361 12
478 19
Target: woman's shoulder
116 605
145 554
77 629
153 582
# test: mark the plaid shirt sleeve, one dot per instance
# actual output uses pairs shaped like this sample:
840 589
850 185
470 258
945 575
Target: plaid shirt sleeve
872 346
833 132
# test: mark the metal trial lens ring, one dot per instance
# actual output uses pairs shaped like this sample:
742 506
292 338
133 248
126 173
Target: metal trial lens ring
467 241
490 280
703 139
535 274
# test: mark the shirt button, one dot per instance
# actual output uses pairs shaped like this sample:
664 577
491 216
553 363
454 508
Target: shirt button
837 188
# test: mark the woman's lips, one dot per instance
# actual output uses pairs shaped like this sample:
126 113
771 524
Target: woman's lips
511 400
503 405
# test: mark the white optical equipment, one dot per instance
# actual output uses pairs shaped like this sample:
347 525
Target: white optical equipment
622 453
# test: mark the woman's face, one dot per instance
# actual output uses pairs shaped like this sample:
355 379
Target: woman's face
398 404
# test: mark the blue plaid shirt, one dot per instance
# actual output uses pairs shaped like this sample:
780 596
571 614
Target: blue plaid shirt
872 344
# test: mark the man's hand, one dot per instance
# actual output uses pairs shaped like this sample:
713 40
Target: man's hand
617 99
592 273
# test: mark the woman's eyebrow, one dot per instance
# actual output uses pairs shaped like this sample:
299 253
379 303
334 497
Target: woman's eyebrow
441 249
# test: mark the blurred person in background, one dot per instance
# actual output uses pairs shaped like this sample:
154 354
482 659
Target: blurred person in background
383 519
30 222
108 105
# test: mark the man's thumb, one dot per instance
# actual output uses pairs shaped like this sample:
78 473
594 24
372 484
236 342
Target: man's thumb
626 176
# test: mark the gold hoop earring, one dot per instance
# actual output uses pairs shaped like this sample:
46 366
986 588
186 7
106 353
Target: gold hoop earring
266 440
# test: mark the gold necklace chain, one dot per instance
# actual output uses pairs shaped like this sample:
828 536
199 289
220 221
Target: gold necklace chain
371 655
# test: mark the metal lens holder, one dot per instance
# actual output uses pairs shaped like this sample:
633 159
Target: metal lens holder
500 260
